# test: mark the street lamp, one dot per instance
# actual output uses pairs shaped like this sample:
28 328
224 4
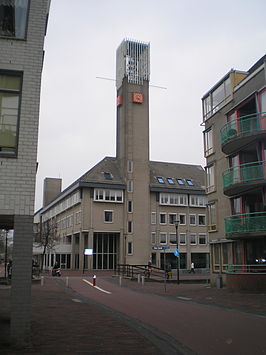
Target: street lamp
177 256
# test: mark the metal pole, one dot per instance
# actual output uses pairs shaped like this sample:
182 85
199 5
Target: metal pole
177 258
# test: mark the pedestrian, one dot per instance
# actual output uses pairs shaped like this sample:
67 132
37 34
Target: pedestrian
168 271
192 268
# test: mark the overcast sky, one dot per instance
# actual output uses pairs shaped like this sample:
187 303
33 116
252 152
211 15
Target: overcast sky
193 45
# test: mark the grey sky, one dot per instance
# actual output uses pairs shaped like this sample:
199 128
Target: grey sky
193 44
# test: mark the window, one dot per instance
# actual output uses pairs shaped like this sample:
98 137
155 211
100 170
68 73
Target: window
160 180
130 248
198 200
182 238
202 220
130 206
172 218
153 218
153 238
170 181
189 182
202 238
129 226
182 219
13 18
108 195
108 216
210 178
173 199
10 92
180 181
172 238
211 217
193 239
208 143
162 218
108 176
163 238
130 186
192 219
130 166
216 99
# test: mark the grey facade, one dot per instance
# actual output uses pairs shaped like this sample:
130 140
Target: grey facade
22 31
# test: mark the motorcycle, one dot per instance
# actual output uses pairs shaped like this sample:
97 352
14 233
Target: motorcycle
56 272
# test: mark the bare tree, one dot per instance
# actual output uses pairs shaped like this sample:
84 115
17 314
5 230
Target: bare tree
47 237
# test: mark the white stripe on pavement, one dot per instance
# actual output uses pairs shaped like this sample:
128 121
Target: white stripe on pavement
98 288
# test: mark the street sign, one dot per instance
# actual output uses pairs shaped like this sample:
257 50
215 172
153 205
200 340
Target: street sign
176 252
161 248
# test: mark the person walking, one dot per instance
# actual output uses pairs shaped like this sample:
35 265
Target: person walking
192 268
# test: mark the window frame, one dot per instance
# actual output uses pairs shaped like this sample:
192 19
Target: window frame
199 236
192 215
172 235
111 214
165 218
204 216
185 218
190 241
174 215
18 74
165 234
179 238
210 178
130 248
153 218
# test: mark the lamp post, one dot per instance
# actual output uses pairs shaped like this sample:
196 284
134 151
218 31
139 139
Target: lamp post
177 257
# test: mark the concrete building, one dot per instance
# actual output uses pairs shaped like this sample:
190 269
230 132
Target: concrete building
126 206
234 118
22 30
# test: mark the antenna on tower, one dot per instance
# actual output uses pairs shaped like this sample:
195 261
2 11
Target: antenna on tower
110 79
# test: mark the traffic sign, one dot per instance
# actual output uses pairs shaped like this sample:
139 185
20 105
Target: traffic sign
161 248
176 252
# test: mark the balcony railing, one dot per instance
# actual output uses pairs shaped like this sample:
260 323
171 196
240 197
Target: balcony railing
244 173
246 223
246 269
244 125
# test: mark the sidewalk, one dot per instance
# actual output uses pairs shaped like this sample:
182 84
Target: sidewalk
62 324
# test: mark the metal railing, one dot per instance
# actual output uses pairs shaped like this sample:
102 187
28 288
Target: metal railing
244 223
246 269
243 125
244 173
132 271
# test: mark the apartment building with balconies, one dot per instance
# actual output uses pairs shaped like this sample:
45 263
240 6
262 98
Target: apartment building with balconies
234 115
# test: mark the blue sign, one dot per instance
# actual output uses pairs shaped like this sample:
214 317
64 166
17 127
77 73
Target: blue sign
176 252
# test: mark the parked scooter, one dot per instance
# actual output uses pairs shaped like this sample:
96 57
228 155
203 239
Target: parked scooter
56 272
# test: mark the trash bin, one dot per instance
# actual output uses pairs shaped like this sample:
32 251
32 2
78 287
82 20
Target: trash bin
219 281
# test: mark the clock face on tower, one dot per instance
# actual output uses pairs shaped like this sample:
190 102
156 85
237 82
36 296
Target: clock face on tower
137 97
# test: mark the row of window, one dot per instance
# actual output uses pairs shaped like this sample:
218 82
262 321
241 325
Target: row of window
183 238
173 181
62 206
69 221
171 219
104 195
172 199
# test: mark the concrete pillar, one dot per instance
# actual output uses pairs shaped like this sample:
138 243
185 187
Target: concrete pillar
21 280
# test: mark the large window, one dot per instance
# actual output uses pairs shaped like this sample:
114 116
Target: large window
173 199
216 99
211 217
198 200
208 142
10 89
13 18
108 195
210 178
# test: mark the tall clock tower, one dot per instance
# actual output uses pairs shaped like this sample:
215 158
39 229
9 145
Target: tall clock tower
132 82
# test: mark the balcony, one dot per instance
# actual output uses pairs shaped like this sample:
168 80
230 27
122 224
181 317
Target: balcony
242 131
246 225
238 179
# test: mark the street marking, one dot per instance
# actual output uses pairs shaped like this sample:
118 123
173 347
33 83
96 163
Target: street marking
98 288
76 300
184 298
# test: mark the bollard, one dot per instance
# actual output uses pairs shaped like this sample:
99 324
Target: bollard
120 280
94 280
142 280
67 281
138 278
42 280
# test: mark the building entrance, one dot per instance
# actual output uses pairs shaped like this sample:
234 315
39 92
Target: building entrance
105 250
